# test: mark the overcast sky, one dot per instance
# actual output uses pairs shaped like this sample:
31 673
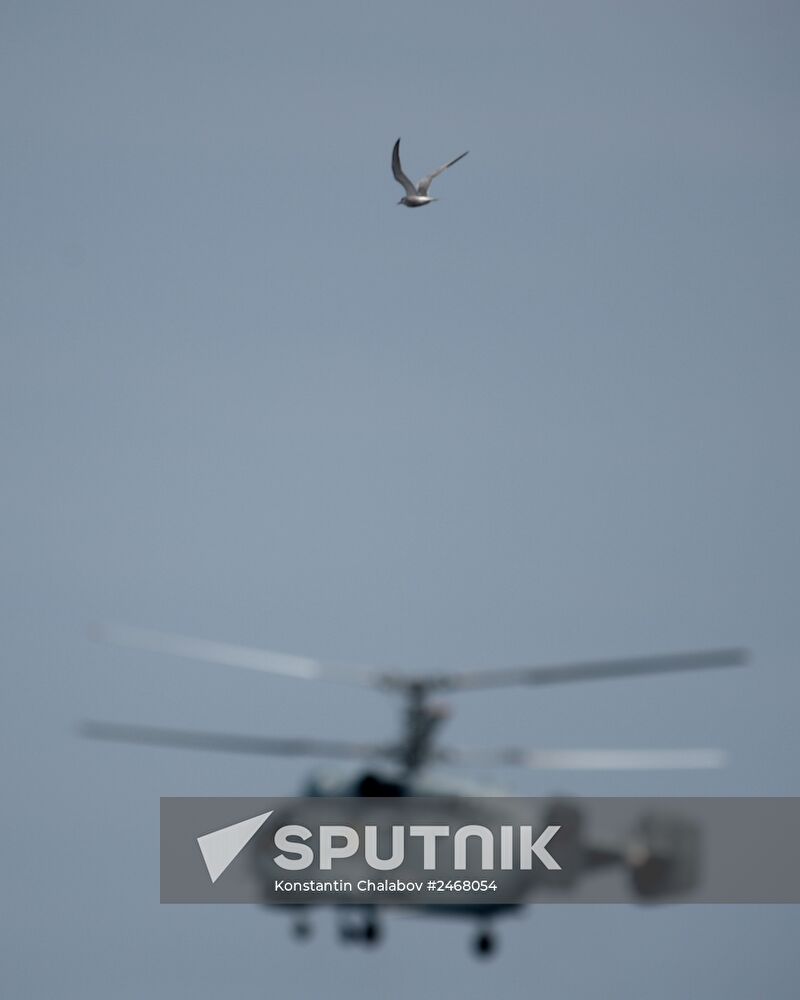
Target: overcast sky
244 395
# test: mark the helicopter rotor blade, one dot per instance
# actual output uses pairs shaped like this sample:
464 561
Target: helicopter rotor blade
304 668
230 655
583 671
188 739
587 760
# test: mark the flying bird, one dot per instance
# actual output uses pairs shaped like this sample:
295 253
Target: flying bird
416 195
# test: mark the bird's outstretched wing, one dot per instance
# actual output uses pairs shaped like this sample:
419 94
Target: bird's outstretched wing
425 183
397 170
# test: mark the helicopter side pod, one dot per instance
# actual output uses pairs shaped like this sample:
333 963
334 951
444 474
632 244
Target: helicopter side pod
664 857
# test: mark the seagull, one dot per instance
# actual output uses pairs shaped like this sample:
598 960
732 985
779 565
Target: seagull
416 195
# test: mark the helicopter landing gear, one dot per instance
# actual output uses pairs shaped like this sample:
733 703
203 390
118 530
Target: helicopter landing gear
484 943
302 929
367 932
372 932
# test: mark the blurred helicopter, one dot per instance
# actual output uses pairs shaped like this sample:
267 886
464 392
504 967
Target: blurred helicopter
661 857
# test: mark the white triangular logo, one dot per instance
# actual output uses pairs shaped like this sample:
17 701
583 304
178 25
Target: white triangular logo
221 847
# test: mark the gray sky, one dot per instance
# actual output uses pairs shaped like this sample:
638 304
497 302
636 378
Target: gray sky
245 395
